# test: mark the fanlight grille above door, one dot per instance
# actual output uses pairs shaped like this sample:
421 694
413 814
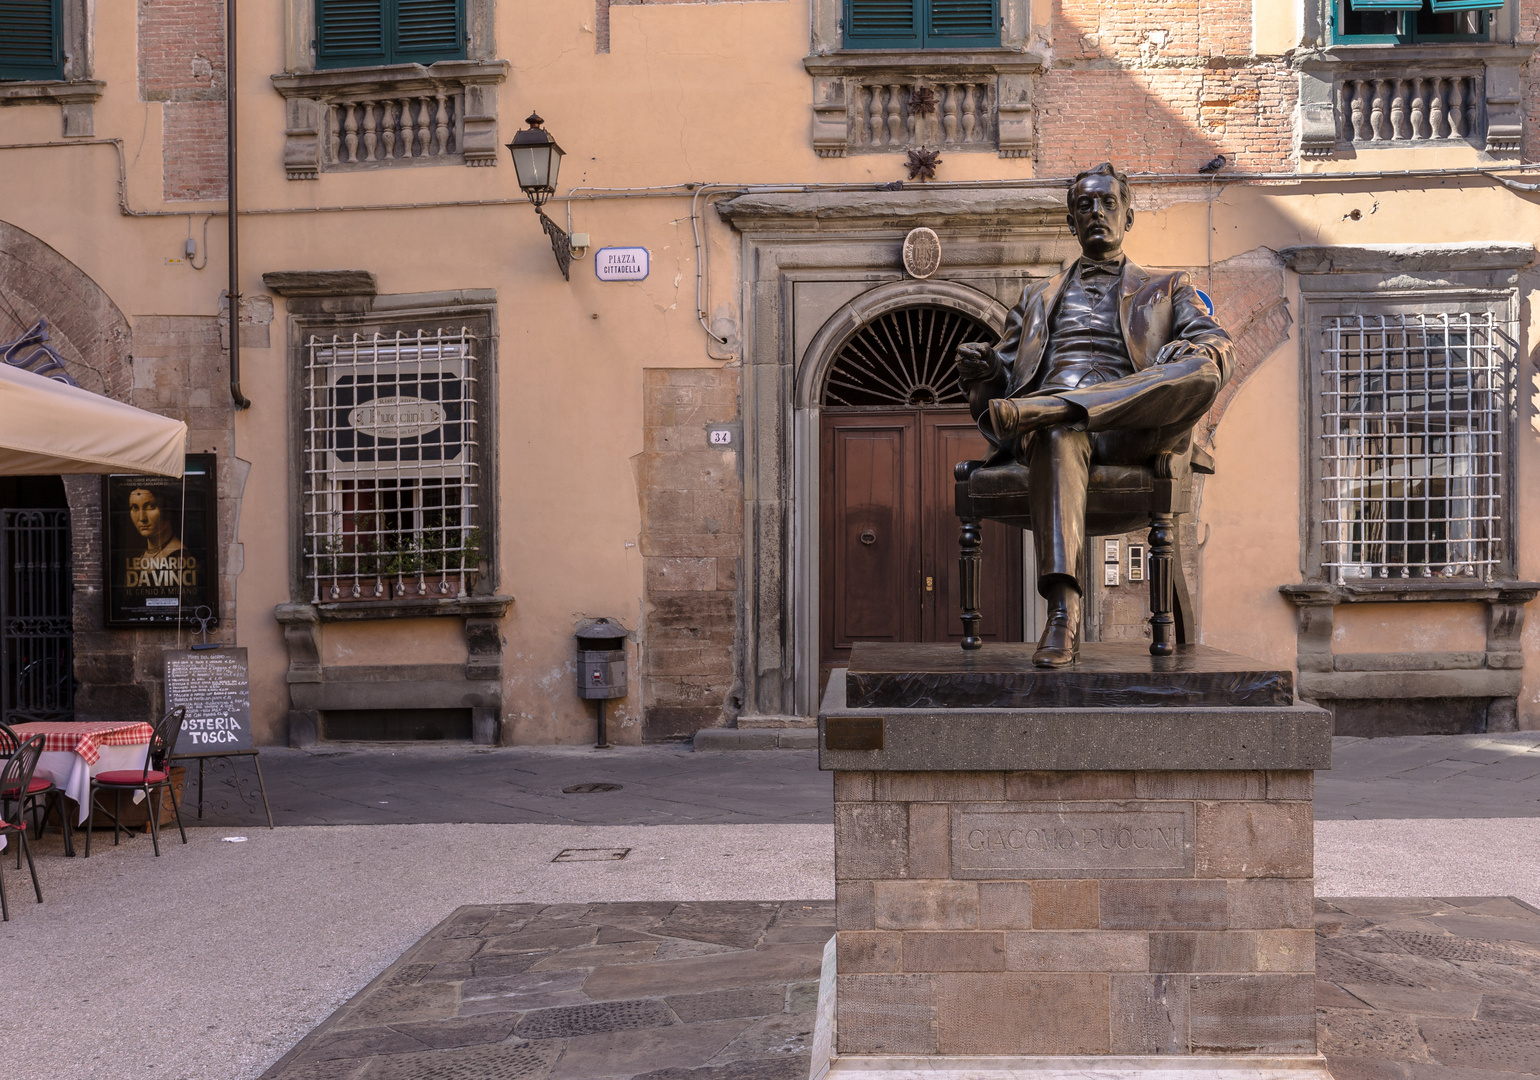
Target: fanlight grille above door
904 359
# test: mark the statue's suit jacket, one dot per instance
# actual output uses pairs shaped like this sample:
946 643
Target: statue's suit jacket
1155 310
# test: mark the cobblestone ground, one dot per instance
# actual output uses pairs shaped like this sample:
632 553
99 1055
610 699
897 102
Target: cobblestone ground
1407 989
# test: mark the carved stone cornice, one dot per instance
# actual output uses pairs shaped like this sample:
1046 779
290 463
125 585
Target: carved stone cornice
1030 208
83 92
356 118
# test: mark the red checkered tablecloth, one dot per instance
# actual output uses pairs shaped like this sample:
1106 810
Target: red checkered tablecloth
85 739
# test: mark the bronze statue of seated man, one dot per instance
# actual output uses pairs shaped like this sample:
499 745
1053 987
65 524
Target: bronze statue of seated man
1104 363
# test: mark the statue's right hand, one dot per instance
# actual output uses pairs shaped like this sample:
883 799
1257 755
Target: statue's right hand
975 360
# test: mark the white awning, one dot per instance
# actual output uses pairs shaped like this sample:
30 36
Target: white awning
47 427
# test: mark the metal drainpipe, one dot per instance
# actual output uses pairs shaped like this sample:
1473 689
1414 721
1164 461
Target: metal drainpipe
233 204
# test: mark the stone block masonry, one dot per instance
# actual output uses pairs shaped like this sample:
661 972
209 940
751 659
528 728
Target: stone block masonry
692 544
1101 912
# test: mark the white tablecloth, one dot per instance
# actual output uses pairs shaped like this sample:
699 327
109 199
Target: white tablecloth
69 770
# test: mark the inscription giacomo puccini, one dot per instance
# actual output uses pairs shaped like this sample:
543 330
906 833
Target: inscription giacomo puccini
995 843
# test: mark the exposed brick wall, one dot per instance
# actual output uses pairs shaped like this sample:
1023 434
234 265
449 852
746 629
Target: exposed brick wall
182 63
193 142
181 50
1161 88
1529 33
692 543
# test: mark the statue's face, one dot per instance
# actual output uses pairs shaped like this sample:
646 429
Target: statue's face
1100 217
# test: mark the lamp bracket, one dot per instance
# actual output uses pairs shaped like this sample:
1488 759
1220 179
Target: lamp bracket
561 243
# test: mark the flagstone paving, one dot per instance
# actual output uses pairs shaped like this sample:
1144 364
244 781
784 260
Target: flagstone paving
653 991
1407 989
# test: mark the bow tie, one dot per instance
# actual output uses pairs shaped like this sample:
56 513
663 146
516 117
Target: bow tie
1111 269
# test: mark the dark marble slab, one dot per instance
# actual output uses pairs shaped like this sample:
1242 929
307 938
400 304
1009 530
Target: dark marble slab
1107 675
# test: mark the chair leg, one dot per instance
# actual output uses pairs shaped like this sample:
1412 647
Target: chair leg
152 807
28 849
117 814
90 815
5 910
177 810
970 564
1162 622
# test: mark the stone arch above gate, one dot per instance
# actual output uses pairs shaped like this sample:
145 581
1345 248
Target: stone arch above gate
870 307
88 329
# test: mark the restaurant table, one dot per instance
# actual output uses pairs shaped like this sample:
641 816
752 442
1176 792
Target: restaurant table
74 751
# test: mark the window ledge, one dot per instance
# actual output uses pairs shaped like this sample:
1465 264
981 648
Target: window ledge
921 61
980 100
467 607
1333 56
1405 258
1413 591
51 92
393 116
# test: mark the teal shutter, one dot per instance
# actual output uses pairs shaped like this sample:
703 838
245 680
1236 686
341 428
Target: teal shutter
29 39
429 30
921 24
882 24
961 23
1466 5
350 33
1386 5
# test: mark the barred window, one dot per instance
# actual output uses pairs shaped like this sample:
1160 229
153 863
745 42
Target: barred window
1414 420
391 455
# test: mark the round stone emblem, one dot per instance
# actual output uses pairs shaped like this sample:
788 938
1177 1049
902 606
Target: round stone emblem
922 253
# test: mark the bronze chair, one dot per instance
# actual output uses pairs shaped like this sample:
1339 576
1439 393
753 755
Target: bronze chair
1120 498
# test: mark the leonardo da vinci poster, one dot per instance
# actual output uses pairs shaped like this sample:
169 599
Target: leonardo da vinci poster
159 546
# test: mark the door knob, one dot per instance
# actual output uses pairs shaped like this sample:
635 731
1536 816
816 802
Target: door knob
868 537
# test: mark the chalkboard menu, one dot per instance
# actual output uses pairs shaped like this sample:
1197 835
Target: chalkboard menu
212 684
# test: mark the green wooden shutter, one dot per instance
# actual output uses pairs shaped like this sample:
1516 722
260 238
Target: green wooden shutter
351 33
429 30
882 24
29 39
961 22
1466 5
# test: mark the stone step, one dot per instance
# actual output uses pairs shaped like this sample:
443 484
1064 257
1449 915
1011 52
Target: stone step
756 739
777 722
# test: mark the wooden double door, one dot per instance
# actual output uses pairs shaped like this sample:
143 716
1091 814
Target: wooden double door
888 533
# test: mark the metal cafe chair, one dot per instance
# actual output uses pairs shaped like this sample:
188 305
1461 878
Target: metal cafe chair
155 776
41 795
15 776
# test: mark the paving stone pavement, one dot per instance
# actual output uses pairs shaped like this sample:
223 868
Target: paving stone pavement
1432 776
1435 776
1407 989
630 991
1428 989
374 784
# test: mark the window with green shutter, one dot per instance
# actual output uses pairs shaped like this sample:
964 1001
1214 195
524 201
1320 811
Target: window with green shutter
1406 22
921 24
30 32
363 33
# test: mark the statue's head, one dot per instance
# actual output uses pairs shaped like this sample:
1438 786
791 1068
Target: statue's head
1100 210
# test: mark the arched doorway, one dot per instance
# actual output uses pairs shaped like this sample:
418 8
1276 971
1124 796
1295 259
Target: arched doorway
892 425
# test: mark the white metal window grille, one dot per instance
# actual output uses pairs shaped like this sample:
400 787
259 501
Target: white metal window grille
390 466
1414 411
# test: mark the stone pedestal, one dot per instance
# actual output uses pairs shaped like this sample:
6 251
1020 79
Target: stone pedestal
1032 885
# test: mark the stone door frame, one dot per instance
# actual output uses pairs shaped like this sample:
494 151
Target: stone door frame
815 267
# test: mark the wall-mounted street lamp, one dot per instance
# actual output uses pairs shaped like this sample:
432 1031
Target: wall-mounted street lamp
537 160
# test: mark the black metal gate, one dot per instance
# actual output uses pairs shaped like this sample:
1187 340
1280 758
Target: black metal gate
37 627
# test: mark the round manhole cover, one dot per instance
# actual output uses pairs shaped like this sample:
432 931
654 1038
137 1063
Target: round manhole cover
589 789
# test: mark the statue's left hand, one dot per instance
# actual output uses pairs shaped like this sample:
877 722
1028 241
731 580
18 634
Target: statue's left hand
1176 350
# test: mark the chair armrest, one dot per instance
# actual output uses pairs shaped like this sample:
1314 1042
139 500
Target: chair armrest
965 469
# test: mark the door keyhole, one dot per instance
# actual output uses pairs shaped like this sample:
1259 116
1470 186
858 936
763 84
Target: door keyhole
930 584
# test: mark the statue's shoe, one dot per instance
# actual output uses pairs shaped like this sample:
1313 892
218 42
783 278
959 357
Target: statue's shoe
1060 644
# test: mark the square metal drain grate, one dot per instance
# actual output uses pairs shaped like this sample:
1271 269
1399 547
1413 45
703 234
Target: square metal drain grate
591 854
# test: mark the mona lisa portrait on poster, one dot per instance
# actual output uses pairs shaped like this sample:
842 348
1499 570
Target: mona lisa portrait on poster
158 548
